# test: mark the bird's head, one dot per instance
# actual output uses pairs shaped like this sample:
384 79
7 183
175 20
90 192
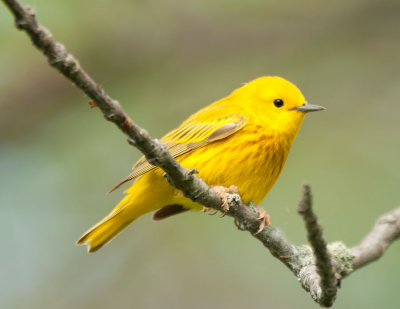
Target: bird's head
275 101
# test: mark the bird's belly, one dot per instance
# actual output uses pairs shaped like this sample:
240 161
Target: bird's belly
252 166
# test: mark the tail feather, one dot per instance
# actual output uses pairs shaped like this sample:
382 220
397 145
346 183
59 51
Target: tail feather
104 231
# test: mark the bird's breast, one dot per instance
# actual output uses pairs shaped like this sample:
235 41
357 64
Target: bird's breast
250 160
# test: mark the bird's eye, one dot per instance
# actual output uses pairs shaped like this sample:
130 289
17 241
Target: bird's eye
278 103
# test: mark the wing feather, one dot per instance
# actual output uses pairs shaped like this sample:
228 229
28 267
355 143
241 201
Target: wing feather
191 135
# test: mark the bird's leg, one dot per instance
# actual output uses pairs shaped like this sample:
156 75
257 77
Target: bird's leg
264 218
224 195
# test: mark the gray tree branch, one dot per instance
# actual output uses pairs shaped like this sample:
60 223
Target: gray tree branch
328 282
385 231
314 271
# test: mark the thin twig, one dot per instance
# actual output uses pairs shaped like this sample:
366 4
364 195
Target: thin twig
323 258
385 231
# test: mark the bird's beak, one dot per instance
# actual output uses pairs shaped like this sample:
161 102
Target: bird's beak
307 107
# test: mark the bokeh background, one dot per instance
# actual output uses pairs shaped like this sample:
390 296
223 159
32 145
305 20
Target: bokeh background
164 60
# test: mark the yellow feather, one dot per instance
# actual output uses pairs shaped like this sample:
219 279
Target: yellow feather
241 140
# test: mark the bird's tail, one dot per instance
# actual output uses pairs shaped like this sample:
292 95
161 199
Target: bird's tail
105 230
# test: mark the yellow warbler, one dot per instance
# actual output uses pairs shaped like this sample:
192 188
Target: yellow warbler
241 140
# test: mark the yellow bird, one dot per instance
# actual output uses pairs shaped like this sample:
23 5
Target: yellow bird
241 140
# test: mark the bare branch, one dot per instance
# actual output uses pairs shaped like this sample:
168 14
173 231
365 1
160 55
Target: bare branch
328 282
316 274
385 231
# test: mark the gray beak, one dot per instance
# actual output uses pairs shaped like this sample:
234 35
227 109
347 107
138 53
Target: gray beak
306 107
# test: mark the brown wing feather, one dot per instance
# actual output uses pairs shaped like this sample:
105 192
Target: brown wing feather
188 137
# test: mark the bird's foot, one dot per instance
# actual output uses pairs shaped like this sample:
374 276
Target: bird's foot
224 195
208 211
264 218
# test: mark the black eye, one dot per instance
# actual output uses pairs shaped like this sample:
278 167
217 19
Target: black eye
278 103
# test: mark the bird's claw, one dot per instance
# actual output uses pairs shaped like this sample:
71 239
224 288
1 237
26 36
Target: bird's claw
208 211
264 218
224 195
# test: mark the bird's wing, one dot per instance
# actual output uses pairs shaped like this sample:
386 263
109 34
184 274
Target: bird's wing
191 135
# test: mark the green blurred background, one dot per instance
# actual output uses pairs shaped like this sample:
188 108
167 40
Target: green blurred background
164 60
